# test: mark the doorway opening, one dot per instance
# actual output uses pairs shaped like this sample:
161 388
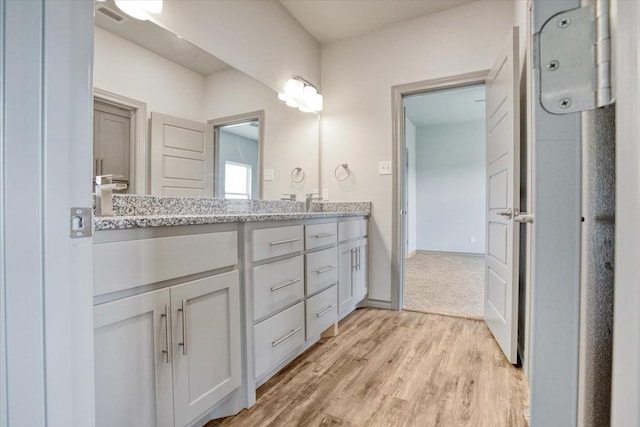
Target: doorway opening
237 143
445 201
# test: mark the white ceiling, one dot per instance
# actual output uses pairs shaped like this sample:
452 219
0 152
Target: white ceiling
247 130
446 106
158 40
332 20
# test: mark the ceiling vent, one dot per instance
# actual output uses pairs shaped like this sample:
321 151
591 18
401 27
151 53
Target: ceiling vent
111 14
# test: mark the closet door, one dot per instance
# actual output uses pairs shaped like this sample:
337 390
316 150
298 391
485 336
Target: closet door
133 385
112 141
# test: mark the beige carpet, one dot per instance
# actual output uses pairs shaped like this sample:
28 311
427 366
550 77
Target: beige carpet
448 284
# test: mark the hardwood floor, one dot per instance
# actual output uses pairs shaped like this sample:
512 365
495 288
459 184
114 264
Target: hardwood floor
389 368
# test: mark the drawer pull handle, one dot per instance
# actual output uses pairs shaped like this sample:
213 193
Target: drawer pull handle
183 311
320 236
325 269
282 242
289 335
322 313
167 350
284 285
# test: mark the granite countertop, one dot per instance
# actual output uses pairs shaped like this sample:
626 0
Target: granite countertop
134 211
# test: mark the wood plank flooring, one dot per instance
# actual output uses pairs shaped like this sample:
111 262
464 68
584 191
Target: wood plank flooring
389 368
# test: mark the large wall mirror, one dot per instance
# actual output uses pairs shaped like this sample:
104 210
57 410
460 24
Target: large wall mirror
171 119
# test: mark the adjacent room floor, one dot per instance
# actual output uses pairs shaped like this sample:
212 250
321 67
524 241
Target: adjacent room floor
445 283
390 368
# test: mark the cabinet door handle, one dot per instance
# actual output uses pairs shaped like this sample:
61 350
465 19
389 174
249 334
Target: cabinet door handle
167 350
354 265
358 257
285 284
281 340
322 313
320 236
282 242
183 310
325 269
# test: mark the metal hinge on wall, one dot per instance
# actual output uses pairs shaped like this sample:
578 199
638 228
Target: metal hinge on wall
575 60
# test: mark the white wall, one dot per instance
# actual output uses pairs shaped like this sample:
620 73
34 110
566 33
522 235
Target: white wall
450 182
357 76
291 137
411 197
129 70
258 37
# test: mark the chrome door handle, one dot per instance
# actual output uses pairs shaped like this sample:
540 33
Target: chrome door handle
282 242
183 310
507 212
354 264
325 269
320 236
523 218
290 334
322 313
285 284
166 333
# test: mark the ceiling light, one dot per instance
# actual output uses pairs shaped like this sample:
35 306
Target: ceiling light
139 9
299 93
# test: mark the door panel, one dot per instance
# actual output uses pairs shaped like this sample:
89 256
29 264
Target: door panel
206 343
503 161
181 157
345 276
133 384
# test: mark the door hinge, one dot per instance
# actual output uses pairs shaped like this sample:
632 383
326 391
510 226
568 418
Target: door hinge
575 60
80 223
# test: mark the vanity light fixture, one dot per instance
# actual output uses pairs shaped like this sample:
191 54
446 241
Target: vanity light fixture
299 93
139 9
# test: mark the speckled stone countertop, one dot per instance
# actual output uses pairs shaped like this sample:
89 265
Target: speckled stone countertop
140 211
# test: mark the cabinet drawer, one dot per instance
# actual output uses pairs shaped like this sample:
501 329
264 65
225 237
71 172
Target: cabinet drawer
318 235
272 242
322 269
348 230
277 285
322 311
128 264
277 337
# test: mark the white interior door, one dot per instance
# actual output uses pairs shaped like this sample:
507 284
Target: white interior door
181 157
503 200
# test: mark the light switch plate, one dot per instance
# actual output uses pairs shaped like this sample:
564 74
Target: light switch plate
384 167
268 174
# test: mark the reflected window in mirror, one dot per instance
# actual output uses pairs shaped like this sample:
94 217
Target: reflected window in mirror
237 180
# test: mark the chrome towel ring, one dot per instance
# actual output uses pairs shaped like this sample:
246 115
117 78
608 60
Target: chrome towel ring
344 166
297 175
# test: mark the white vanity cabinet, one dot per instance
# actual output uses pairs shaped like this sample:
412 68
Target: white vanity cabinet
353 255
166 357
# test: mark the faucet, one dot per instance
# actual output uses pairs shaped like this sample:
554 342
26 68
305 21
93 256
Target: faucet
310 198
104 194
291 197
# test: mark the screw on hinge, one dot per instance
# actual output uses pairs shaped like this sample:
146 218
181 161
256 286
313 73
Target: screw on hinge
564 103
553 65
564 22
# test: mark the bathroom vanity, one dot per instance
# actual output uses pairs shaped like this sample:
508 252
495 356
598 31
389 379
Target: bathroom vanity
200 301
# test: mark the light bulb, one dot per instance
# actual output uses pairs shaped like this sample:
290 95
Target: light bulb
294 88
316 103
282 96
292 103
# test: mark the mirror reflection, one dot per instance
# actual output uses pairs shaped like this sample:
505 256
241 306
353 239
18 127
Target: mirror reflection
171 119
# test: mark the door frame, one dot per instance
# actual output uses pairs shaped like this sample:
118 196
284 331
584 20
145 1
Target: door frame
139 157
214 126
399 167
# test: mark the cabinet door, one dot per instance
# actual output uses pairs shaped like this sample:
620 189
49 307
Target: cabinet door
132 366
346 255
360 274
206 344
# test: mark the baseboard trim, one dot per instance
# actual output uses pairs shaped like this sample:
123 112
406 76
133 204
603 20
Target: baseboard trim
449 253
410 254
377 303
